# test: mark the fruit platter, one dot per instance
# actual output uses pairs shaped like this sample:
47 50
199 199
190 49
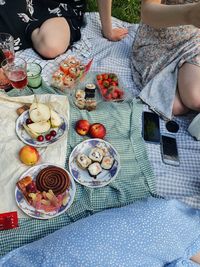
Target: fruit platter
40 125
45 191
66 74
94 163
109 86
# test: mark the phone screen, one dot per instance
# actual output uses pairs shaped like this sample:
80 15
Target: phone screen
151 127
169 150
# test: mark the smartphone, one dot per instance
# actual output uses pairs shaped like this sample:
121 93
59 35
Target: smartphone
151 127
169 150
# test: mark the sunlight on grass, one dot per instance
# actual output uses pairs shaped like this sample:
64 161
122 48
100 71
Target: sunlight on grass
127 10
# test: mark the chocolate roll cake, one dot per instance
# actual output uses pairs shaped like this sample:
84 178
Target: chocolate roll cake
52 178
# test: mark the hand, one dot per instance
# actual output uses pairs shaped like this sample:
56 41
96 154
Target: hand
116 34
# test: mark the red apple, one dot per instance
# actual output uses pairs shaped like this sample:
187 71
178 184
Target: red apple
97 130
82 127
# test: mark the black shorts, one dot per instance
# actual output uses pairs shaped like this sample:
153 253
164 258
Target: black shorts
21 17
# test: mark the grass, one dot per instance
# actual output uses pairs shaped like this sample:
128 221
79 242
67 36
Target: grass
126 10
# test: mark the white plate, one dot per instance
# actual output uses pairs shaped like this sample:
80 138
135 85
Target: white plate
41 214
27 139
82 176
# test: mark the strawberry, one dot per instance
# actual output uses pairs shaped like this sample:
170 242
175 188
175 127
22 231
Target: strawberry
115 94
104 91
108 97
100 82
106 83
105 76
114 83
99 77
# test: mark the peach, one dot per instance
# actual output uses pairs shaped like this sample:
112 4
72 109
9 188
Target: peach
29 155
97 130
82 127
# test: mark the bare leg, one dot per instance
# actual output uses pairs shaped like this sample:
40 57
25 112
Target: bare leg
52 38
189 87
178 107
196 258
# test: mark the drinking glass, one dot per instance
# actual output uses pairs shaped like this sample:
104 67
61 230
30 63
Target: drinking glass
7 45
16 72
6 51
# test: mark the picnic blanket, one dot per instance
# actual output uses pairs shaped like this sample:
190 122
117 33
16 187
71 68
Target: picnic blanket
123 122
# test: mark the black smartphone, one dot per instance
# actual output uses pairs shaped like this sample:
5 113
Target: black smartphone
151 127
169 150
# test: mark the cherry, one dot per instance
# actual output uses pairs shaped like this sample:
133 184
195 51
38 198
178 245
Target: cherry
40 138
48 137
28 121
53 133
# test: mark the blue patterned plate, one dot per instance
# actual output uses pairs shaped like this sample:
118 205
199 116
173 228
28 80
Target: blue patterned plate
41 214
27 139
82 176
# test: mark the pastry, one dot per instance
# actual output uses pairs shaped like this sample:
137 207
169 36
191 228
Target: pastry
83 161
94 169
52 178
107 162
96 154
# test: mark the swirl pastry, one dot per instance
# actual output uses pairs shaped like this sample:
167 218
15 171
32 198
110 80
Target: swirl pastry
52 178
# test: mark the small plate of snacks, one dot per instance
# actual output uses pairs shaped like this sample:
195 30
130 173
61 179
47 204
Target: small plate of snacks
45 191
110 87
40 125
85 98
94 163
66 74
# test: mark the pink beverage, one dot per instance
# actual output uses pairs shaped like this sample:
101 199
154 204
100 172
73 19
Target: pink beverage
18 78
9 55
16 71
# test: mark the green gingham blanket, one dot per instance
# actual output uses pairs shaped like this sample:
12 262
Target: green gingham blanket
135 180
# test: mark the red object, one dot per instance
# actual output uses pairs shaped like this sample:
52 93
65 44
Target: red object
48 137
8 220
53 133
9 54
97 130
82 127
40 138
18 79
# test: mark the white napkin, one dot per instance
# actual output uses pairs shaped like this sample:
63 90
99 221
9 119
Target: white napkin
11 167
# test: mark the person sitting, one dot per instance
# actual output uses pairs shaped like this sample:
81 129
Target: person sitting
51 26
169 32
151 232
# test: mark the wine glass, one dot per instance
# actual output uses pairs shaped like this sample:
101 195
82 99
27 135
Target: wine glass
6 51
16 72
7 45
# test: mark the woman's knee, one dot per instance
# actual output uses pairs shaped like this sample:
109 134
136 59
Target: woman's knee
50 43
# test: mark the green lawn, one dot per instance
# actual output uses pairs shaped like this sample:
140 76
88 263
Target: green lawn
127 10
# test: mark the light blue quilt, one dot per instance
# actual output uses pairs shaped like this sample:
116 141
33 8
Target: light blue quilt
149 233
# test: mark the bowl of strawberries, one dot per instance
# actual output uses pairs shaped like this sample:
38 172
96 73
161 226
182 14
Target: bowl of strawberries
110 87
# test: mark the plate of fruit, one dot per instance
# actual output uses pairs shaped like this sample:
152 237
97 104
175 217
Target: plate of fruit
40 125
66 74
94 163
45 191
110 87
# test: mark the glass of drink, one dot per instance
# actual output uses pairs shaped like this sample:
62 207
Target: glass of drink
16 72
6 51
7 45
